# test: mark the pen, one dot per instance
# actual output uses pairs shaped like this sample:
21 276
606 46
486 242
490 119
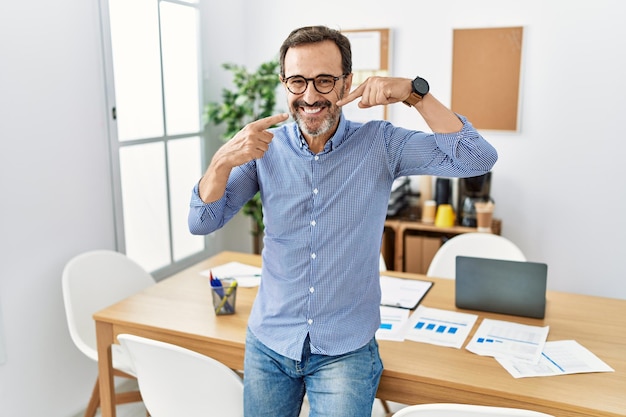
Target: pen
216 283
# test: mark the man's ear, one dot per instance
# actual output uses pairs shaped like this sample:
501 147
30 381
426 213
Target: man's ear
348 83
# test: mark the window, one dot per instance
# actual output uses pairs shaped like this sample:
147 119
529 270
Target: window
153 66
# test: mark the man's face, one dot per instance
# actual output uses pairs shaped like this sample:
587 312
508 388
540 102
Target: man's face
316 113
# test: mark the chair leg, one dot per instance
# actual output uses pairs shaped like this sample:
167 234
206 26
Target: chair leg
128 397
94 401
386 407
120 398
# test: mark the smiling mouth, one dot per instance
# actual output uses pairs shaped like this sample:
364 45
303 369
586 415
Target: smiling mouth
312 109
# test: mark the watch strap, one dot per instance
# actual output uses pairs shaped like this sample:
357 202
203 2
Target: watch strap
412 99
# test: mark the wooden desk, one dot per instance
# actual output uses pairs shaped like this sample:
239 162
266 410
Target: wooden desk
178 310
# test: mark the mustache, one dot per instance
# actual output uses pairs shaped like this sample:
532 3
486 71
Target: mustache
302 103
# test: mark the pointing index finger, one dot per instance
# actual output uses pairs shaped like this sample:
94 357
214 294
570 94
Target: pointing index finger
356 93
269 121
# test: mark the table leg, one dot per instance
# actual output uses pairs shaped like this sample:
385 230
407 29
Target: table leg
104 336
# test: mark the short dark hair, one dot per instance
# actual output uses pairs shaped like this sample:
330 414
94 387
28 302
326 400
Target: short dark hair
314 34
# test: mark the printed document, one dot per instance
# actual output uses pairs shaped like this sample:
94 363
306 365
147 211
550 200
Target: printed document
403 293
508 340
439 327
392 323
245 275
558 358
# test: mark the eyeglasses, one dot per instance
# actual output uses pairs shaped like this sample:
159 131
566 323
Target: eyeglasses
323 83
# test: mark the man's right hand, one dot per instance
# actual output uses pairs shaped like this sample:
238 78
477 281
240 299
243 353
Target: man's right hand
249 143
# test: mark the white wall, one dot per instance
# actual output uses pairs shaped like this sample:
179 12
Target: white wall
55 180
56 195
558 182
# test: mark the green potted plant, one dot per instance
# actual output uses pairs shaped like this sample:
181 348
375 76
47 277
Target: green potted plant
253 97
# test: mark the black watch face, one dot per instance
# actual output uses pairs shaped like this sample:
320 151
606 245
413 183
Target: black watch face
420 86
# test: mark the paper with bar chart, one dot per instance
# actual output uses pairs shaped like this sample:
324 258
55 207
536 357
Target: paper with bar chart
440 327
392 323
509 340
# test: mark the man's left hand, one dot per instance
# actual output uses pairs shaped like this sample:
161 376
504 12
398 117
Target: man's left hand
376 91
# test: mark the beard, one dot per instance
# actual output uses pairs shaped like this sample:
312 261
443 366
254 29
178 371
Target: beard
315 129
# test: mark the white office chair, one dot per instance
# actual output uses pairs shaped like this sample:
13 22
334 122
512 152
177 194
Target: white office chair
464 410
175 381
92 281
480 245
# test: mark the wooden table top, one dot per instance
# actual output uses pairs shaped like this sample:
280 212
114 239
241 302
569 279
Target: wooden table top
179 310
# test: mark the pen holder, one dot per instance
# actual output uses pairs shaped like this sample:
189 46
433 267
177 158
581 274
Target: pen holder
224 297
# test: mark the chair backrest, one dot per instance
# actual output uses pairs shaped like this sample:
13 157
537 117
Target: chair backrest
382 265
92 281
480 245
464 410
175 381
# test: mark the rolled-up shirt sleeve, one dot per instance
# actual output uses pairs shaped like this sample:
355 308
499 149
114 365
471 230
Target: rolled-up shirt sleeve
459 154
468 148
205 218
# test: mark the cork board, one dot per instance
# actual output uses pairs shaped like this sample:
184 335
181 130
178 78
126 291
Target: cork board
486 76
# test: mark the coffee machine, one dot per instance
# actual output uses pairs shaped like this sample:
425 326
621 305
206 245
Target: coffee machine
471 190
443 191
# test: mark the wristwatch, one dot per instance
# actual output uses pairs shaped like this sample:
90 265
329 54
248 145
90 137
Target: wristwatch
420 89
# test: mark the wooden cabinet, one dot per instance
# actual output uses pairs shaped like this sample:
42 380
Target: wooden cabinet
409 246
418 251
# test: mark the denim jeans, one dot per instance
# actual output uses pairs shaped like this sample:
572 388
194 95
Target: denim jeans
337 386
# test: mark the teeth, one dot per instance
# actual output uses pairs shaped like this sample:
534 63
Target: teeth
311 110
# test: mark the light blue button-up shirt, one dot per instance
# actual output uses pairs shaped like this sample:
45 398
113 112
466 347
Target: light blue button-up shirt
324 216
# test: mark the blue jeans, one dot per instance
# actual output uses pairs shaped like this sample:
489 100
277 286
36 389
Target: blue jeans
337 386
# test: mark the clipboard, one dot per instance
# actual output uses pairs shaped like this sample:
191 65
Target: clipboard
401 292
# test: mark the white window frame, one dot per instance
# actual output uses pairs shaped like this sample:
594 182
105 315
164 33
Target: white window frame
115 146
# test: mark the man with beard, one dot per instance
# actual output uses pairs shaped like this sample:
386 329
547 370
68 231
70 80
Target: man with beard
325 184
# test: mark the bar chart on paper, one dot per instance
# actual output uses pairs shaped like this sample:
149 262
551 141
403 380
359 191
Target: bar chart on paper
440 327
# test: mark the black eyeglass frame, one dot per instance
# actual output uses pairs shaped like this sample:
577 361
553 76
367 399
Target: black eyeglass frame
307 80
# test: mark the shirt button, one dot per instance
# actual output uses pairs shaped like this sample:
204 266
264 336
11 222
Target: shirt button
313 223
310 321
317 157
315 191
311 290
313 256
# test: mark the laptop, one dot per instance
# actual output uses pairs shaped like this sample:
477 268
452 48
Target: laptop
501 286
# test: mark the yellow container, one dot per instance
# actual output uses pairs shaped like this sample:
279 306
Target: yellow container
445 216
